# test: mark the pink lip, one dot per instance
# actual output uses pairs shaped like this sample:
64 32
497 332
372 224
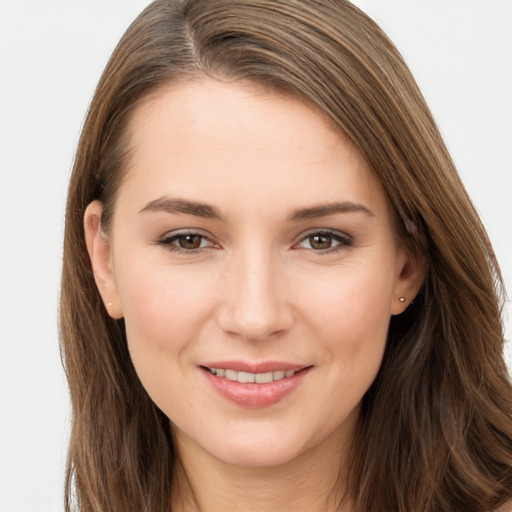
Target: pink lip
254 395
264 367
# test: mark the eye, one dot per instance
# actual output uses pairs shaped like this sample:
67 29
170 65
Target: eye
190 241
325 241
185 242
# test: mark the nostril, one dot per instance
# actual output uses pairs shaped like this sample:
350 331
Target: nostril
254 307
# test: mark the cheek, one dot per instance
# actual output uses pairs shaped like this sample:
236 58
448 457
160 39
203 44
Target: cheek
349 315
164 311
354 298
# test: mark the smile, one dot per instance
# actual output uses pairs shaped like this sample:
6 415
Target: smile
247 377
267 384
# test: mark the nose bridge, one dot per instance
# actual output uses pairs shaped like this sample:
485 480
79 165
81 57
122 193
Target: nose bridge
255 304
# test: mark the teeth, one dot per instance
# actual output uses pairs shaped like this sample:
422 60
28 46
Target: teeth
247 377
230 375
262 378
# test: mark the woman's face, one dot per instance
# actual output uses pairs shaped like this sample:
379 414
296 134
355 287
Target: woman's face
253 258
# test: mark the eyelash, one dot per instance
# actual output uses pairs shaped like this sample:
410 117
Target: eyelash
344 240
167 242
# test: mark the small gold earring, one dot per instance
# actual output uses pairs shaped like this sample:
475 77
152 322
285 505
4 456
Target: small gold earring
402 299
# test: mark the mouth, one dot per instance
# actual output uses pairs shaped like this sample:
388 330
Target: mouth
249 378
254 385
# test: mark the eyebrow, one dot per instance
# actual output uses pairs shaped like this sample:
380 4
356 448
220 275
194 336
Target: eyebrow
170 205
329 209
205 210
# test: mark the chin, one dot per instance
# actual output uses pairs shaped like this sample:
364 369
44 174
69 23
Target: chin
259 453
264 446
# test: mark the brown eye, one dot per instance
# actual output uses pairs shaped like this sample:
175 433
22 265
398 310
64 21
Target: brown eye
189 241
325 242
186 243
320 241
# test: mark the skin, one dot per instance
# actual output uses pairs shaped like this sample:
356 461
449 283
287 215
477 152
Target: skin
260 287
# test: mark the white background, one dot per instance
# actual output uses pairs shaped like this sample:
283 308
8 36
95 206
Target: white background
51 55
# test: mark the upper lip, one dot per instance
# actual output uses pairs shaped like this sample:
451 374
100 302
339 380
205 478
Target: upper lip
252 367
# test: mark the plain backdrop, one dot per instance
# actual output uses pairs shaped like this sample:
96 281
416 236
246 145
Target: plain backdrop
51 55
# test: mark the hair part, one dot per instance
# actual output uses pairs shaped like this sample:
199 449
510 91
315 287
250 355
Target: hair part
436 430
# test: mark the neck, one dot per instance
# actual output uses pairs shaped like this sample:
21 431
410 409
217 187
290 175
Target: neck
309 483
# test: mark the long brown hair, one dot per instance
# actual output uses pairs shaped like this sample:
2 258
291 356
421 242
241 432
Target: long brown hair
436 428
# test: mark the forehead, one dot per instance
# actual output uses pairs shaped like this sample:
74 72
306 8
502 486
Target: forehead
235 141
240 112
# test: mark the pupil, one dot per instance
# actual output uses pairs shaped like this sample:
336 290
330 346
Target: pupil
321 241
190 241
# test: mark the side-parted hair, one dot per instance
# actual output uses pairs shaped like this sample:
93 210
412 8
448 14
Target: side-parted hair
436 426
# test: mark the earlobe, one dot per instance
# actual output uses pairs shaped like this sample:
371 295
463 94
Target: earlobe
100 255
410 279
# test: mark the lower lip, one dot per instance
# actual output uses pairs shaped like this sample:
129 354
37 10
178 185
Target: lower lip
256 395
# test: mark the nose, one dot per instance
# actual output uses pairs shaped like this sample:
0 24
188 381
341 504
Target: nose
254 298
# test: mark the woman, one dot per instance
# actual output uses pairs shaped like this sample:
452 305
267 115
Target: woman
276 293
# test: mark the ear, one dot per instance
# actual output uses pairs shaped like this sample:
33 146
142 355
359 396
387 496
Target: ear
99 251
411 275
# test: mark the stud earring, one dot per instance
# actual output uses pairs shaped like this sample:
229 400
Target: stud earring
402 299
109 304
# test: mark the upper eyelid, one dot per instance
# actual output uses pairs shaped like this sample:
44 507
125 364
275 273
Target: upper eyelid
184 232
315 231
170 237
